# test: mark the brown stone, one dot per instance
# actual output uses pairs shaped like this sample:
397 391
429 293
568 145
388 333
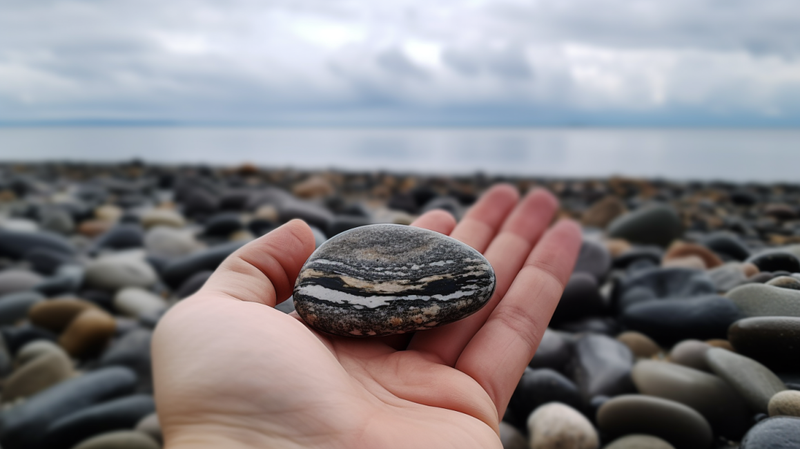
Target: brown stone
108 212
684 249
93 228
56 314
691 353
617 246
640 344
720 343
750 269
313 187
88 333
693 262
602 212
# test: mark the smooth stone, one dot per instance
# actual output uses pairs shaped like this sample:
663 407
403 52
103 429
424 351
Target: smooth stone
684 249
223 225
57 220
181 269
691 353
23 425
641 345
668 321
511 438
601 366
44 371
765 300
554 351
637 254
785 282
33 350
779 432
286 306
593 258
122 236
598 325
162 217
118 414
56 314
122 439
693 262
150 425
776 260
773 341
708 394
46 261
117 271
313 187
17 337
341 223
785 403
170 243
68 279
200 204
193 284
555 425
311 213
88 333
727 276
108 212
132 350
390 279
603 212
678 424
728 244
18 225
101 298
754 382
94 228
660 283
581 298
540 386
235 200
15 306
639 442
14 244
133 301
649 225
17 280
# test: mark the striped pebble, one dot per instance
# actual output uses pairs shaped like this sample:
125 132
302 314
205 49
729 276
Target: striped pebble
390 279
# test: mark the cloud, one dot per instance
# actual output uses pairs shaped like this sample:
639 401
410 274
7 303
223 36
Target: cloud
405 61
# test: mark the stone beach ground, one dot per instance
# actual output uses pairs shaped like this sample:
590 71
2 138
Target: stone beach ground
680 327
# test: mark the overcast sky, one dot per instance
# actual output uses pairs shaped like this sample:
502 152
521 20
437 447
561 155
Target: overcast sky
398 62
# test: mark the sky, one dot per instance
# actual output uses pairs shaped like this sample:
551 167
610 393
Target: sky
718 63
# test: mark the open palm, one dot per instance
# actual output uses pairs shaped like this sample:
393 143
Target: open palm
231 371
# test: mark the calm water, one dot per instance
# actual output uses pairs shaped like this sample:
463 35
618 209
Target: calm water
739 155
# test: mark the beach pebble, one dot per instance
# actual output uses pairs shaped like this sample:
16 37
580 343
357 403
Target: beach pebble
223 224
162 217
554 351
754 382
309 212
117 271
785 403
593 258
170 243
122 236
683 249
23 425
641 345
639 442
341 223
33 350
540 386
779 432
108 212
36 375
657 283
555 426
773 341
390 279
14 244
691 353
88 333
56 314
313 187
193 284
179 270
693 262
118 414
601 365
648 254
668 321
708 394
17 337
67 280
15 306
94 228
133 301
200 204
678 424
17 280
765 300
727 276
776 260
785 282
511 438
581 298
46 261
603 212
150 425
649 225
121 439
727 244
132 350
57 220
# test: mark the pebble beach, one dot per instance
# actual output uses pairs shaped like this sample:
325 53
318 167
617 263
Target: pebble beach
679 328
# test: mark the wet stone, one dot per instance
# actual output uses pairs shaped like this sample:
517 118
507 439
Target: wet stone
391 279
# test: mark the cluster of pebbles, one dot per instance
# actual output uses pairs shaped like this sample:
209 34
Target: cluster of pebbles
680 327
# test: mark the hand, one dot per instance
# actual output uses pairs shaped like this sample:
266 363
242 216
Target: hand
231 371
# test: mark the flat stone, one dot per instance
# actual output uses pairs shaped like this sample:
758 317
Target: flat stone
641 345
170 243
94 228
181 269
693 262
671 320
14 244
133 301
708 394
650 225
163 217
555 425
765 300
67 279
601 366
773 341
121 439
785 282
88 333
540 386
56 314
118 414
691 353
661 283
17 280
309 212
23 425
684 249
15 306
678 424
785 403
390 279
754 382
639 442
780 432
122 236
117 271
775 260
728 244
37 375
223 225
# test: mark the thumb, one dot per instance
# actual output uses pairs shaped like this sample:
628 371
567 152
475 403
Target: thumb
265 269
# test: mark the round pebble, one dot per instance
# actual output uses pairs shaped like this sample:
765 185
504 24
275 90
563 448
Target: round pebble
555 425
785 403
639 442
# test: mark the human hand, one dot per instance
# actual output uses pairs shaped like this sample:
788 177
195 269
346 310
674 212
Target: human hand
231 371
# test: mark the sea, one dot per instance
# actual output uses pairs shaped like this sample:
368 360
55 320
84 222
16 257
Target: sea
738 155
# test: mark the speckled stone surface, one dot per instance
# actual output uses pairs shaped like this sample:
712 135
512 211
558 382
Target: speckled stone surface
390 279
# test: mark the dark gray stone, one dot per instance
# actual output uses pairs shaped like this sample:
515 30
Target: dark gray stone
540 386
581 298
223 225
390 279
181 269
554 351
655 283
775 260
728 244
193 284
132 350
46 261
15 306
14 244
601 365
773 341
754 382
594 259
649 225
122 236
779 432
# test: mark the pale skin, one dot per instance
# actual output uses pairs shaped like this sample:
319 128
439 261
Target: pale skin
231 371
